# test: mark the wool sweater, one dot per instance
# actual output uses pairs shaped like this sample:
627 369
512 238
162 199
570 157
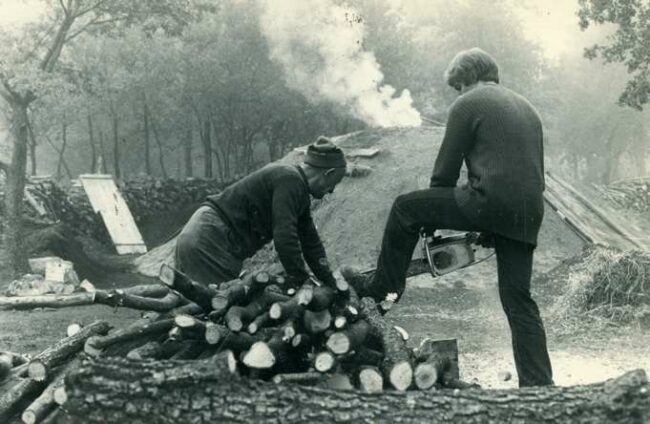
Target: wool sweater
498 134
273 203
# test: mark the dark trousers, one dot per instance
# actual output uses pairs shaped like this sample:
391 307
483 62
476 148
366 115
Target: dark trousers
205 249
436 208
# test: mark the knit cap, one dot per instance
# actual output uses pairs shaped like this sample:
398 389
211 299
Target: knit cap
324 154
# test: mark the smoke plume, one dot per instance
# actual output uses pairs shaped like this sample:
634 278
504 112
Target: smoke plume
319 45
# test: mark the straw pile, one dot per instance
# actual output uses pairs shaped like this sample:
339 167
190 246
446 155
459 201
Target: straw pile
608 284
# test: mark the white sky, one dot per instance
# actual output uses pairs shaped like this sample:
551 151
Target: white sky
551 23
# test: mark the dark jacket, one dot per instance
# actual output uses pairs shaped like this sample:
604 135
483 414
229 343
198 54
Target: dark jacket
498 134
273 203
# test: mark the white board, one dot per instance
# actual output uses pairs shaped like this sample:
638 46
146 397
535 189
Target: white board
107 200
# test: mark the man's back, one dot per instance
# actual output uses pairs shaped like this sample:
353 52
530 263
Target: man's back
501 135
248 203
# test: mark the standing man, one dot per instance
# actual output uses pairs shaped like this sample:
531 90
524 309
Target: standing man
271 204
498 134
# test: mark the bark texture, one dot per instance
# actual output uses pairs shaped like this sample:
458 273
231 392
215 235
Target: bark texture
116 391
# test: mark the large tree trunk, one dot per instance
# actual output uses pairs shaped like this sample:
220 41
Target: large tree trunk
189 168
13 227
91 141
147 142
32 156
113 390
116 145
102 154
161 154
64 143
207 150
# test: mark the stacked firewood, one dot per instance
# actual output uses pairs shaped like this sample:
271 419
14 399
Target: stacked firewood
304 332
628 194
268 326
145 196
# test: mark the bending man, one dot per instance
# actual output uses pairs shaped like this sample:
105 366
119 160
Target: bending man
271 204
498 134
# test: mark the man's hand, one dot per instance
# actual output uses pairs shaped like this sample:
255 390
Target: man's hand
486 240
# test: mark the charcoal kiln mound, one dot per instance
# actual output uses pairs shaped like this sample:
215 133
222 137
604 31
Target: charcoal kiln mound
384 163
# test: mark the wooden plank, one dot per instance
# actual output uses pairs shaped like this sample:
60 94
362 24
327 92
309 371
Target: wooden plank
370 152
592 222
35 203
107 200
367 152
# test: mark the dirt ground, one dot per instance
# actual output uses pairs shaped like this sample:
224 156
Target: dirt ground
463 305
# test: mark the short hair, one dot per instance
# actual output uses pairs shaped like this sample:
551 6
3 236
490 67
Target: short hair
471 66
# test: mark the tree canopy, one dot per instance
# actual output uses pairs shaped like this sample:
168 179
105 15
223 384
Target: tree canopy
629 43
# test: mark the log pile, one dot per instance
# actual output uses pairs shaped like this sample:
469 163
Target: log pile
264 348
268 327
48 202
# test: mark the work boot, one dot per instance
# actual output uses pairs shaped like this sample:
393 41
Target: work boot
357 279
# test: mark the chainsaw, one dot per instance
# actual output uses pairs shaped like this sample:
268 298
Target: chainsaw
448 253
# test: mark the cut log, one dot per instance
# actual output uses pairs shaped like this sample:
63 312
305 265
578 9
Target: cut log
340 322
364 356
321 299
196 292
143 327
302 378
73 329
145 290
188 309
396 366
352 338
114 390
46 301
220 336
190 349
15 358
52 417
289 309
155 350
324 362
426 375
370 380
191 327
118 298
273 353
240 291
231 296
239 316
212 333
60 395
301 342
263 320
40 366
17 394
443 354
337 383
259 356
43 405
6 364
317 322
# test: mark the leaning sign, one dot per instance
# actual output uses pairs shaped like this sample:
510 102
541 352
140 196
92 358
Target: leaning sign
107 200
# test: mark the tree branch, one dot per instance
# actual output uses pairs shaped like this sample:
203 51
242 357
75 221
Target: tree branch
89 9
95 21
65 9
39 42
